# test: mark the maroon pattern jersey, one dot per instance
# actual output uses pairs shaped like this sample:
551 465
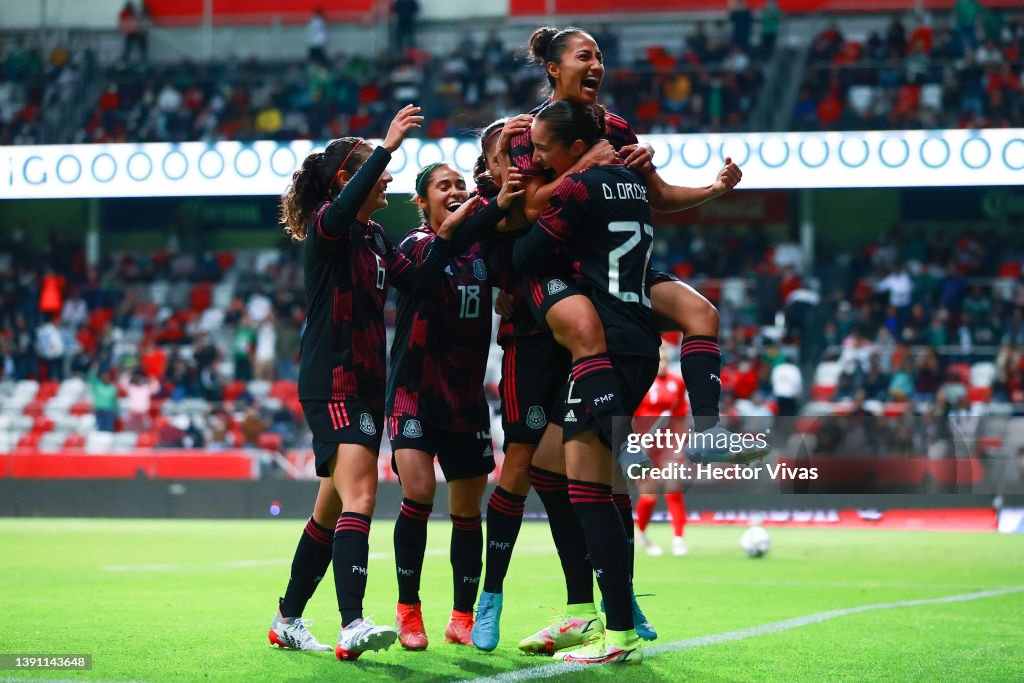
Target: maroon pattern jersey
348 268
616 130
601 220
442 339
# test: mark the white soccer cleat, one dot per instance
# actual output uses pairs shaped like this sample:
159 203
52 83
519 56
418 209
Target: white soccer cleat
650 547
293 634
362 635
679 548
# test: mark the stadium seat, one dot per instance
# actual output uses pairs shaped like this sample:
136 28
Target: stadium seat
147 440
233 390
98 442
979 394
860 98
822 392
30 440
270 442
961 371
75 440
983 374
931 96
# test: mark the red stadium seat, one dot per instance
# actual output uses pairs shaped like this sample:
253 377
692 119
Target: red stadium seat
820 392
30 439
147 440
47 390
270 442
42 424
201 297
81 408
1010 269
979 394
75 440
233 390
283 390
961 371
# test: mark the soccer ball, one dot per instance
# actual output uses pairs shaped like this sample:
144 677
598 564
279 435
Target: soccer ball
755 542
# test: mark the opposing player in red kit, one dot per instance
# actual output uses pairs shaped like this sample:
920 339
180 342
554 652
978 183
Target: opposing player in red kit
665 400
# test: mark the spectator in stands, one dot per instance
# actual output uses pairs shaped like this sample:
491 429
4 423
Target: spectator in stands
827 44
245 339
265 349
901 386
133 25
139 391
928 376
787 387
316 38
405 23
104 399
742 21
51 349
23 348
770 18
253 426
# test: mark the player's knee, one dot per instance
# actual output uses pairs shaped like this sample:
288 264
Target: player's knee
419 492
583 337
363 503
703 320
515 476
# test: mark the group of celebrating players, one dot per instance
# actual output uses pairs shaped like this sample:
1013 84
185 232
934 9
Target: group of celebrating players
560 223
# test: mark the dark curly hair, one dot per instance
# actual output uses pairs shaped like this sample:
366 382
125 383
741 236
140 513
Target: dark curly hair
316 181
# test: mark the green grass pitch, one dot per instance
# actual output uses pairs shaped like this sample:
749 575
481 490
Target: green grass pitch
191 601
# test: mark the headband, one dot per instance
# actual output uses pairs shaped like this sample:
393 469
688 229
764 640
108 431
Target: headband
424 174
341 168
483 145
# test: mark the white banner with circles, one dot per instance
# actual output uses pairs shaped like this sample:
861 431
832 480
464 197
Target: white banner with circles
941 158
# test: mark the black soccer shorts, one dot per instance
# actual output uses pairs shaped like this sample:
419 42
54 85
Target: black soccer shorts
462 455
635 375
337 422
533 371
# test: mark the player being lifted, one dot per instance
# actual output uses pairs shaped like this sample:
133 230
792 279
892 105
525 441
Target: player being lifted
435 396
599 219
574 71
349 261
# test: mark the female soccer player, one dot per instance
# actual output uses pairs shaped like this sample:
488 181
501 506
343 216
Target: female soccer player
595 217
435 400
534 368
574 71
349 262
664 401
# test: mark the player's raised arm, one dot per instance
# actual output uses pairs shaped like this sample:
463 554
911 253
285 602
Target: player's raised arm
666 198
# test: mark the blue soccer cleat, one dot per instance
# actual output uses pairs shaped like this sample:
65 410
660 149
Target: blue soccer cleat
488 613
640 623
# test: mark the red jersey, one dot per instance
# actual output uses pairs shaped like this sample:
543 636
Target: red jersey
667 396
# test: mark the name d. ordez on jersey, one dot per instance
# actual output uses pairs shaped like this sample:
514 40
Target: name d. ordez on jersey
624 191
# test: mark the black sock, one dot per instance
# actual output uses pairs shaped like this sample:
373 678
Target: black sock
595 380
467 560
410 545
504 518
700 360
606 541
351 553
625 506
553 490
312 557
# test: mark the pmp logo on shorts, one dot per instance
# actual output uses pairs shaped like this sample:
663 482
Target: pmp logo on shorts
480 269
555 286
412 429
366 424
535 418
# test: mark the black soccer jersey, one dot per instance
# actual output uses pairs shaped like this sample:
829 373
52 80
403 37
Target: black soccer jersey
348 267
602 221
442 339
616 130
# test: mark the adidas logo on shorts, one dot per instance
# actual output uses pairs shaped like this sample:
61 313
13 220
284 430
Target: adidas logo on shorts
570 416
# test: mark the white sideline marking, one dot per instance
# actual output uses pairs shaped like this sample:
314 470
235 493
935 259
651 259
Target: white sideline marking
641 583
549 670
242 564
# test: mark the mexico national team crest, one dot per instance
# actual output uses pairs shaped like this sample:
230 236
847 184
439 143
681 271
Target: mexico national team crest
366 424
555 286
535 418
412 429
480 269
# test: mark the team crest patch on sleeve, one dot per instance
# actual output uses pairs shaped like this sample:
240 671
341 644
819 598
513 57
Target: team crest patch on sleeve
535 418
412 429
366 424
555 286
480 269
